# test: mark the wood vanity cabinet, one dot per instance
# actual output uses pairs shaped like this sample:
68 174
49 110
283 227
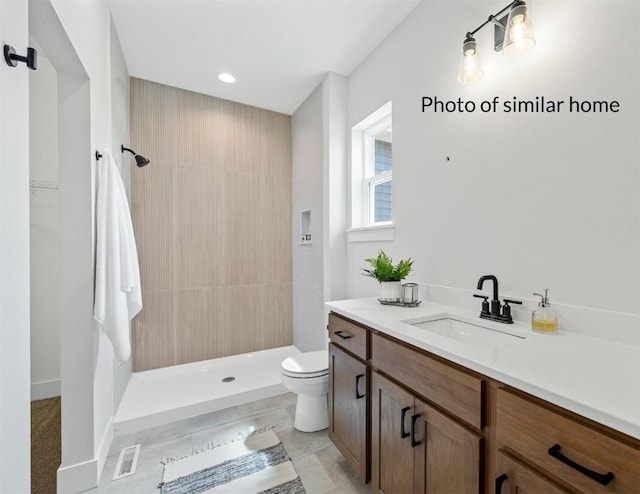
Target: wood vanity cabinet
575 454
391 450
349 336
348 408
427 425
516 478
348 393
449 458
417 448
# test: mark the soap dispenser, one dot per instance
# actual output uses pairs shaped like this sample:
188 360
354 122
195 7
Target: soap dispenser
544 318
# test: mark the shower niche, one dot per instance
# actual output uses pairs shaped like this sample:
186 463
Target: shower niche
305 227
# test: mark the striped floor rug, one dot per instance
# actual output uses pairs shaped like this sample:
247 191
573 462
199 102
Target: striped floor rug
257 464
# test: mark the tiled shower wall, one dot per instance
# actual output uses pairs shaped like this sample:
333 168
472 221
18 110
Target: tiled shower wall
212 218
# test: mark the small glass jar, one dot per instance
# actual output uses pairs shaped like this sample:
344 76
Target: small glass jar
409 293
544 318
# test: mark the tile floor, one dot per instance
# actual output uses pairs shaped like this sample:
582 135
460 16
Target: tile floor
321 467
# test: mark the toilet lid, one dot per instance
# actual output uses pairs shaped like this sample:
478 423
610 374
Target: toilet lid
309 364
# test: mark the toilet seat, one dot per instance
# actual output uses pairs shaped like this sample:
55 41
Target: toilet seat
306 375
306 365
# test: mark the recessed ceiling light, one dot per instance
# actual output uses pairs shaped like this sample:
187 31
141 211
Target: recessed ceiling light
226 77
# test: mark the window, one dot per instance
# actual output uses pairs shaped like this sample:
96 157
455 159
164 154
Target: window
378 173
372 170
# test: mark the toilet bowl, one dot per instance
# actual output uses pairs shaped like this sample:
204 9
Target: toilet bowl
307 375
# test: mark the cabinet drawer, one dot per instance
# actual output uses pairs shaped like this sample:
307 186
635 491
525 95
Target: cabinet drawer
348 335
515 477
537 433
458 392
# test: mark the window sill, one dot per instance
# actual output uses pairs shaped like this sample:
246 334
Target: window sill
371 233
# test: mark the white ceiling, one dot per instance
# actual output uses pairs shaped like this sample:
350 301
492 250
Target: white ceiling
279 50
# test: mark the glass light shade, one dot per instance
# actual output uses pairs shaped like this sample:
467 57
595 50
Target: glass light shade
470 66
518 38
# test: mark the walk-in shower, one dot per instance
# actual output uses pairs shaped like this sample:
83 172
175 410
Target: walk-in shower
160 396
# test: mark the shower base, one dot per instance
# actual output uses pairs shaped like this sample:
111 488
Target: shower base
161 396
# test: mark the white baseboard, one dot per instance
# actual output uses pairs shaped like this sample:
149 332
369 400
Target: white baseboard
104 446
84 476
77 478
45 389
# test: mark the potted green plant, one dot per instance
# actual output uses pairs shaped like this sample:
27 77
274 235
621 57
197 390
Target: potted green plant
389 275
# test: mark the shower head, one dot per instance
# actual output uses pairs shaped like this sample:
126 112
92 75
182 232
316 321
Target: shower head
140 160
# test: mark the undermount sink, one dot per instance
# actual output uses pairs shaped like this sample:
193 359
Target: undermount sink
466 332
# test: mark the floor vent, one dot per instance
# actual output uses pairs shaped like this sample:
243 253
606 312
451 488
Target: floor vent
127 462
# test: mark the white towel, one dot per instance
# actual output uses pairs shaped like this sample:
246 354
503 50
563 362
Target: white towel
118 297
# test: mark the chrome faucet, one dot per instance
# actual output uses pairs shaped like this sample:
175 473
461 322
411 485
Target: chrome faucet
497 312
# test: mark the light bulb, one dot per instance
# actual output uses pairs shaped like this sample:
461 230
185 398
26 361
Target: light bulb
470 66
519 37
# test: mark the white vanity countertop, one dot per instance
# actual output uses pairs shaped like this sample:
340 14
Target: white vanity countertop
596 378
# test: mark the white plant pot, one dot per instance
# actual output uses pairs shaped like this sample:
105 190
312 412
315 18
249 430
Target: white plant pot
391 291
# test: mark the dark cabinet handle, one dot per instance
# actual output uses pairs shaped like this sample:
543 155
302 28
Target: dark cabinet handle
414 419
499 481
340 334
358 395
602 478
403 413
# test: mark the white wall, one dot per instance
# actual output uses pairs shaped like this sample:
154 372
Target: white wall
335 185
120 135
78 364
45 266
81 31
539 200
120 108
14 256
307 193
319 181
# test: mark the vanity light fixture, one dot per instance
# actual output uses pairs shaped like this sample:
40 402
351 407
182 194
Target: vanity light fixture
227 78
12 58
512 34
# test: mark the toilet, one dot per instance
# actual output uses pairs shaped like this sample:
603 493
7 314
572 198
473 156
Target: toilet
307 375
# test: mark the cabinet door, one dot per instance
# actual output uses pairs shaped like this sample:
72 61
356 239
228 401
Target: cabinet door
348 409
448 457
516 478
391 454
